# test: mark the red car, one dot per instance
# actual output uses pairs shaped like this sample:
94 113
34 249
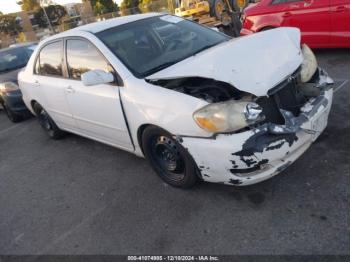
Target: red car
323 23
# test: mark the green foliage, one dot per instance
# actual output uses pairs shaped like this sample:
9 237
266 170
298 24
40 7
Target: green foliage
54 12
103 6
30 5
9 25
130 7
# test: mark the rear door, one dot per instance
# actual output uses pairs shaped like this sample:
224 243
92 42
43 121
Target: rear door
340 23
49 81
312 17
97 109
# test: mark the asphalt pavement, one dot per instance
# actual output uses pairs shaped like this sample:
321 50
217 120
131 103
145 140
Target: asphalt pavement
77 196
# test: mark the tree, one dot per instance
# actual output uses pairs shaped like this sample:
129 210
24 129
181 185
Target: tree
103 6
153 5
29 5
130 7
54 12
9 25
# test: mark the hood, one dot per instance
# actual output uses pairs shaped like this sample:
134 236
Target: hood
253 64
10 76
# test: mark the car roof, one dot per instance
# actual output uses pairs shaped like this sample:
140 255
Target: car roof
113 22
100 26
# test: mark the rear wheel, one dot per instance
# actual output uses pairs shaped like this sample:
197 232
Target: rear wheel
168 158
12 116
47 122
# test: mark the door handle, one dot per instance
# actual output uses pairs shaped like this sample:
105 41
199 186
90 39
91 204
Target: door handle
307 3
286 14
70 90
36 83
340 9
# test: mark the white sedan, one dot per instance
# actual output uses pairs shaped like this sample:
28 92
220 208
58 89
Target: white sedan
196 103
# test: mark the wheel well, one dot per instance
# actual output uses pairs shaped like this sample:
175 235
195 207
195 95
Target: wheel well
139 135
142 129
32 103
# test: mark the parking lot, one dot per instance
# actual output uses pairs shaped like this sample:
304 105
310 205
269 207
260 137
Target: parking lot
77 196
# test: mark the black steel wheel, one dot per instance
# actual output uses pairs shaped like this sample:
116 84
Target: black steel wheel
12 116
168 158
47 123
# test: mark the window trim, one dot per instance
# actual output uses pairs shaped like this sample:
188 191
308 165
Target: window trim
284 2
38 58
118 80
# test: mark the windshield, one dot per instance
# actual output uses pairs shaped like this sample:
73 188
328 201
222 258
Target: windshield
152 44
15 58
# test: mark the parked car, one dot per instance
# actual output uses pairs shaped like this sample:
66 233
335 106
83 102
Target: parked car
196 103
323 23
12 60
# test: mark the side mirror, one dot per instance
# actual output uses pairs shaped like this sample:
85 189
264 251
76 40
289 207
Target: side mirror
96 77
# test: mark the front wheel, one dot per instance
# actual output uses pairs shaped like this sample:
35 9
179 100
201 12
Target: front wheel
168 158
47 122
12 116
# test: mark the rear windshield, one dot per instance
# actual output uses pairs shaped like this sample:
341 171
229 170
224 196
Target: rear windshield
152 44
15 58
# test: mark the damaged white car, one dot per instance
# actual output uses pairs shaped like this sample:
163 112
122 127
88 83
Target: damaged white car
196 103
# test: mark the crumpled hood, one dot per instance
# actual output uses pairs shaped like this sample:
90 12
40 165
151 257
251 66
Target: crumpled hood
254 63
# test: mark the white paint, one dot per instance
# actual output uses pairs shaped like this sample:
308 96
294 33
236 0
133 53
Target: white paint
253 63
171 19
216 154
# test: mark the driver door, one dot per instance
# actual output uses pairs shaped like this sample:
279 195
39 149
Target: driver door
96 109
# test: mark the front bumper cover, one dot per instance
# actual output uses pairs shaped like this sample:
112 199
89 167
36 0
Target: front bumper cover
253 156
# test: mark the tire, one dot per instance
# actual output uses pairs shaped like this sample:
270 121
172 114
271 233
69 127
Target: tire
47 122
12 116
168 158
217 9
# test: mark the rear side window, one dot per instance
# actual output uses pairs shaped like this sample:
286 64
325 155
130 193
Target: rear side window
49 61
82 56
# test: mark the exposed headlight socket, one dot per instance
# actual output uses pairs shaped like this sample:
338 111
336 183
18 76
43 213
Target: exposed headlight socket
253 113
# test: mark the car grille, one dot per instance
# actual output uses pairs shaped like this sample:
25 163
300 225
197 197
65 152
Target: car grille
283 96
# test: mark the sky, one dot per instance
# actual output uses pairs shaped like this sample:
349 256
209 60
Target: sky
10 6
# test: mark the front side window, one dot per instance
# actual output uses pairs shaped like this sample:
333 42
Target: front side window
82 56
49 62
152 44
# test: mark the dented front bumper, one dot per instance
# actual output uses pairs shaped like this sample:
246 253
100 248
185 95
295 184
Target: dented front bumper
253 156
